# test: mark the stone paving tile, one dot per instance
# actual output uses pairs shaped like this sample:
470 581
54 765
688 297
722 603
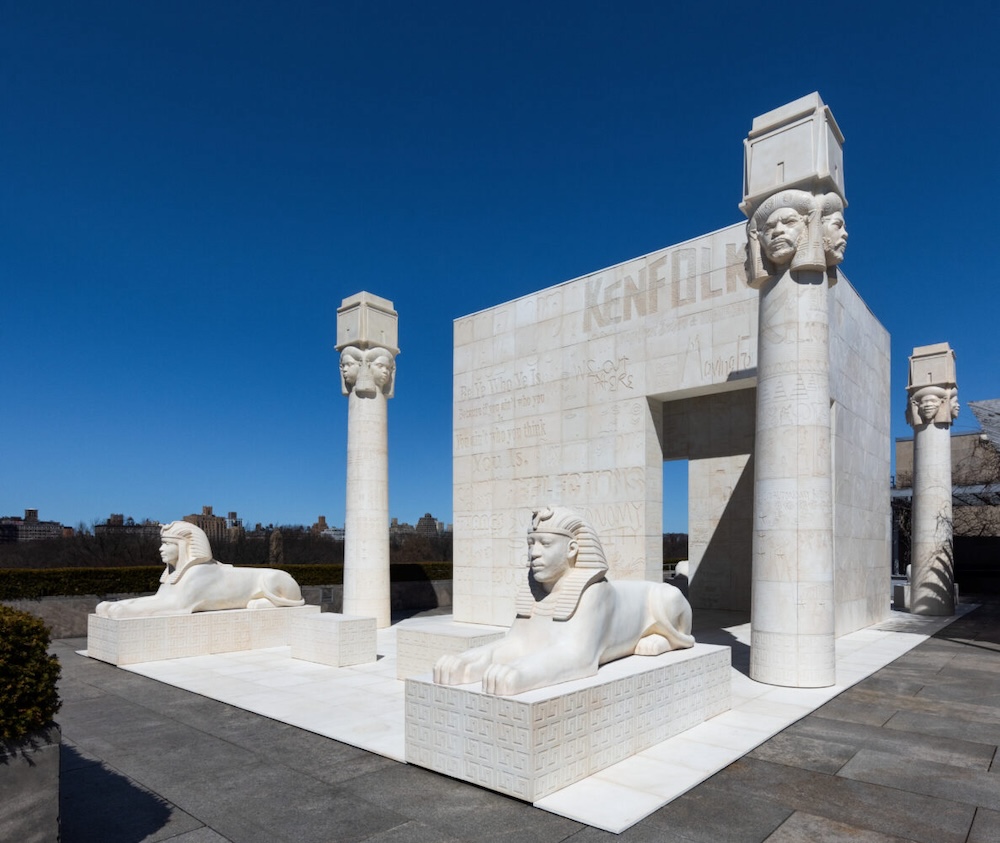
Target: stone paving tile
801 826
99 805
796 749
969 690
854 710
412 832
202 835
986 827
458 809
714 814
867 806
896 684
972 755
982 729
974 787
270 802
921 705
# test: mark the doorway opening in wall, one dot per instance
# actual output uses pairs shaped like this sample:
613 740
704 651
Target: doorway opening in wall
675 514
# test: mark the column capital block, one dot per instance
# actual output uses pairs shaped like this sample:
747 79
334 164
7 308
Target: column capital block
365 320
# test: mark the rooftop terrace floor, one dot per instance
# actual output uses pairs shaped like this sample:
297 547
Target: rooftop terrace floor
903 748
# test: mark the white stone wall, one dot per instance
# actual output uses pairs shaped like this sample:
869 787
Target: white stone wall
557 402
859 387
576 394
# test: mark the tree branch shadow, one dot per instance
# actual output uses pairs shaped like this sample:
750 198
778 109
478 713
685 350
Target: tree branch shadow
99 805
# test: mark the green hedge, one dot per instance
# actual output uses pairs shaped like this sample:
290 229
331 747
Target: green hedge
34 583
28 675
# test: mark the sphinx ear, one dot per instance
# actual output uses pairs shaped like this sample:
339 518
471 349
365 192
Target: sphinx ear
572 549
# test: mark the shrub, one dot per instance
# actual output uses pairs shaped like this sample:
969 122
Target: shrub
28 675
33 584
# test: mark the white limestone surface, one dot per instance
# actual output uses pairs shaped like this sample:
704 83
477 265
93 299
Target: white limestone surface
559 395
419 646
363 706
334 639
123 641
532 744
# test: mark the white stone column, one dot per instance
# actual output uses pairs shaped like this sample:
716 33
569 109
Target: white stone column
793 195
792 599
366 339
932 405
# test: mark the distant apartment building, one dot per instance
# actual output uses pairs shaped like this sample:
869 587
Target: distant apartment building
13 528
429 526
216 527
118 524
398 532
321 528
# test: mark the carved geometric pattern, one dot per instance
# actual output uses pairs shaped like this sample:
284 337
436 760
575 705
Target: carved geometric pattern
135 640
333 639
538 742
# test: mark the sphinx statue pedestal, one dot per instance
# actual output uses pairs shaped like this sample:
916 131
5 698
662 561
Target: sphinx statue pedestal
122 641
532 744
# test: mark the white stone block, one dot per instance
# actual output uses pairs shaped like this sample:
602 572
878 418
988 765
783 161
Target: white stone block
533 744
123 641
418 648
333 639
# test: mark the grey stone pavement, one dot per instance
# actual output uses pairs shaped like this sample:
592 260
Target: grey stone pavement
909 754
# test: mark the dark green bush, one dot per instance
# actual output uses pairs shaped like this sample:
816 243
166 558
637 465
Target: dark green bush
32 584
28 675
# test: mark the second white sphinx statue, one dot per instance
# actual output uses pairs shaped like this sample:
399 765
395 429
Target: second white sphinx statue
570 618
193 581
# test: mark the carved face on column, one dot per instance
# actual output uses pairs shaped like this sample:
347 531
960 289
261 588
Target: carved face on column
933 405
782 233
833 228
927 406
382 366
834 238
351 361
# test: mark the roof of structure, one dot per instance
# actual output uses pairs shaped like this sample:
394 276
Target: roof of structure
987 413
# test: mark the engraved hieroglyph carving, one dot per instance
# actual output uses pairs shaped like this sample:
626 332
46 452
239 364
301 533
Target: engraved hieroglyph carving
570 618
195 582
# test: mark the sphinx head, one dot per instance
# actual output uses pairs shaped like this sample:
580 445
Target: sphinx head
183 545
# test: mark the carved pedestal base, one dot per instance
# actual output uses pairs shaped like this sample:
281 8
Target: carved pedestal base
333 639
135 640
533 744
417 649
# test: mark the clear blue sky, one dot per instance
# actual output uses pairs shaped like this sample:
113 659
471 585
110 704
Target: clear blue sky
189 190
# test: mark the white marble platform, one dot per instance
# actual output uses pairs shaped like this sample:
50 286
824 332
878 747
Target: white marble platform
364 706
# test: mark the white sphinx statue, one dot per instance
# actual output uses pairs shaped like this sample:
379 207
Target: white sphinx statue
570 618
195 582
